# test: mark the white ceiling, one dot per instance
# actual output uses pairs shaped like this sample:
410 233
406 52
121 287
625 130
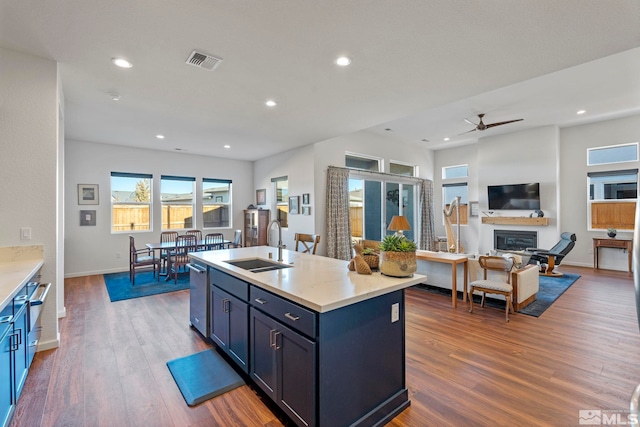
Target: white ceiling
419 68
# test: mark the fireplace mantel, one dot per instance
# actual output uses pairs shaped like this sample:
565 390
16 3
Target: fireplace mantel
515 220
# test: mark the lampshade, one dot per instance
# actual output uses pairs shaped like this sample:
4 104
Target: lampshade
399 223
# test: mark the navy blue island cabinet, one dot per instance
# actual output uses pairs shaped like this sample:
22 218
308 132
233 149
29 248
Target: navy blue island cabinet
341 367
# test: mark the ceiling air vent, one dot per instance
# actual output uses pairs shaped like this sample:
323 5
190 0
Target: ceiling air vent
202 60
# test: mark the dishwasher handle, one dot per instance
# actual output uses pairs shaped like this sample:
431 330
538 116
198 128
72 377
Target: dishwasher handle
197 268
40 295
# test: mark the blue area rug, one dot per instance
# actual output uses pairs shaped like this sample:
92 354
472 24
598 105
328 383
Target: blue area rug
203 376
550 289
119 285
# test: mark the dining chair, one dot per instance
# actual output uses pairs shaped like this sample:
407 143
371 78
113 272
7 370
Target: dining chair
166 237
196 233
494 286
141 260
309 243
179 256
237 239
214 241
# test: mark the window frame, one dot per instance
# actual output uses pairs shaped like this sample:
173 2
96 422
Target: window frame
228 204
364 157
194 222
616 210
613 147
414 168
149 204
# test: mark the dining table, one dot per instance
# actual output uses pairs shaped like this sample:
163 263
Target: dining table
167 246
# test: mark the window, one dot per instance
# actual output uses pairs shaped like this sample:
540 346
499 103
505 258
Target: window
400 168
612 154
281 185
130 202
612 199
176 195
449 194
459 171
360 161
216 203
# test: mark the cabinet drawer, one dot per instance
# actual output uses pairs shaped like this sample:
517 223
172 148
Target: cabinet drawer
289 313
234 286
614 244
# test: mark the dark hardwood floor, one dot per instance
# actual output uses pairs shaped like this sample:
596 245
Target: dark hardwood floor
462 369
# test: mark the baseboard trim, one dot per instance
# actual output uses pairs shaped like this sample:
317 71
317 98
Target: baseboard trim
62 313
48 345
94 273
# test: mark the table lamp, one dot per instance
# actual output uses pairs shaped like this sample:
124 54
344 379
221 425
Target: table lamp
398 224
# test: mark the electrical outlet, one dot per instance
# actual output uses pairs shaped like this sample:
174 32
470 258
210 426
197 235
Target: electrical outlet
25 233
117 254
395 312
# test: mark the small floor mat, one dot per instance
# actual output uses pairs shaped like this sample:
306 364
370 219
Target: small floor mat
203 376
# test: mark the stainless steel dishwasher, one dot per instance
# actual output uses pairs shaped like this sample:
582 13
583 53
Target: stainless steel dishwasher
199 297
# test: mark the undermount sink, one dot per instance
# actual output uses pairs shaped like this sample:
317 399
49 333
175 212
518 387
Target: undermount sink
258 265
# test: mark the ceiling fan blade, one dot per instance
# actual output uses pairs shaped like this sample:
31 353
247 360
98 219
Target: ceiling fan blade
472 130
470 122
502 123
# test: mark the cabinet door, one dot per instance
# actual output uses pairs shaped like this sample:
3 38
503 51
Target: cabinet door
219 318
238 336
296 361
6 377
263 355
20 329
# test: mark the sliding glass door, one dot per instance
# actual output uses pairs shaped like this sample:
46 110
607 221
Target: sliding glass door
373 202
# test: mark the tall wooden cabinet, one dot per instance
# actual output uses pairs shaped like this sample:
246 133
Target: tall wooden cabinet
255 227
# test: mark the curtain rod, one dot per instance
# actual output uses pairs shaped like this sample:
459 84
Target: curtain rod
381 173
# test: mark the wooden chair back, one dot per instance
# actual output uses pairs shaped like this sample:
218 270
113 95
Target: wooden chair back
496 263
196 233
309 243
214 241
180 255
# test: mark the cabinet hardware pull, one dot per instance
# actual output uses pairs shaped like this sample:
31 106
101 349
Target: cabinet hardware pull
271 340
19 334
291 316
13 342
275 341
225 305
260 301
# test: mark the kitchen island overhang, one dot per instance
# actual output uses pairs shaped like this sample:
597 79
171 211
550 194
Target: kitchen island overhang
348 336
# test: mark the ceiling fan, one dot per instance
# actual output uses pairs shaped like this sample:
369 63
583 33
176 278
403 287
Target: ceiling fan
481 126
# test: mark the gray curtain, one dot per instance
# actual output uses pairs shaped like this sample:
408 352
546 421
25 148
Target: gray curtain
427 233
338 226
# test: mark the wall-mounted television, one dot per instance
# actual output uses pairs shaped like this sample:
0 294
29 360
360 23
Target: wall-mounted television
514 196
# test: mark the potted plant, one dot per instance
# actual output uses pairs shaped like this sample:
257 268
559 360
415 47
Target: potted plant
397 256
611 232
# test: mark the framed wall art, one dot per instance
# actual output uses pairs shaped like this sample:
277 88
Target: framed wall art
261 196
305 199
88 194
294 202
87 218
306 210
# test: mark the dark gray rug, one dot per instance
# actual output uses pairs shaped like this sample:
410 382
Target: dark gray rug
550 290
203 376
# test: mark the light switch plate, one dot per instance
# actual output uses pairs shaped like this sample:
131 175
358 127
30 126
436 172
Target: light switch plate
395 312
25 233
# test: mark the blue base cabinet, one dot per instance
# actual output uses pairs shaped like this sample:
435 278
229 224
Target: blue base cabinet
6 369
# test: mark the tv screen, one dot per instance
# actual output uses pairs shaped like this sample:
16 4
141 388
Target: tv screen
514 196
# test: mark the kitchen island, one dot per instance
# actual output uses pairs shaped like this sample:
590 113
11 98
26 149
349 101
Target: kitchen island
325 344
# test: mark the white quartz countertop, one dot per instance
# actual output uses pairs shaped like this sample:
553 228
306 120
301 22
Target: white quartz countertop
14 275
319 283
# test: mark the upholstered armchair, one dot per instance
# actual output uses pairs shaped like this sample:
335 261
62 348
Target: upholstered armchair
553 257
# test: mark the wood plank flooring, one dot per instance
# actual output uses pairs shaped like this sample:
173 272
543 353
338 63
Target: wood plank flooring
462 369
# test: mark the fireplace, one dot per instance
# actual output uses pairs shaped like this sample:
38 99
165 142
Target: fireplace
514 240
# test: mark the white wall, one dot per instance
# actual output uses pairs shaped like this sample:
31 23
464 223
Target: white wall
307 167
92 250
573 192
29 123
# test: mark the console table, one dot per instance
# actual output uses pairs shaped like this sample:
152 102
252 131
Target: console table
624 244
454 260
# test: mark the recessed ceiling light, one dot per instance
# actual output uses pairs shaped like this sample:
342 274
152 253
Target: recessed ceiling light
388 129
343 61
581 111
179 149
160 136
447 138
121 62
227 146
114 96
271 103
424 140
